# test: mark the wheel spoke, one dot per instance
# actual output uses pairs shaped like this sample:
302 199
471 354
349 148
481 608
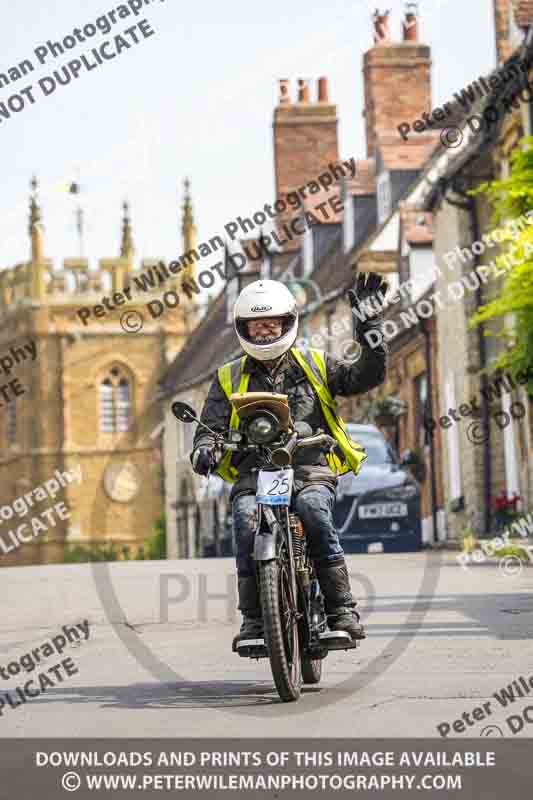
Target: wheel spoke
290 624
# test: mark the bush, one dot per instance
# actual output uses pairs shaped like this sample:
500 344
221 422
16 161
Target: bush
80 554
513 197
512 550
154 548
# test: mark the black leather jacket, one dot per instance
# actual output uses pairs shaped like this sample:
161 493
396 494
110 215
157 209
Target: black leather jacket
310 465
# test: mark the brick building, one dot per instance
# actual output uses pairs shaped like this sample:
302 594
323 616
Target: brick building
475 472
403 211
324 261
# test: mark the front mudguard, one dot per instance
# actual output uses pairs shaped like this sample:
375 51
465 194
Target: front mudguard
268 535
265 546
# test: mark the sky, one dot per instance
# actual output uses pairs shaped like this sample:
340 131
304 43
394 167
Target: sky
196 99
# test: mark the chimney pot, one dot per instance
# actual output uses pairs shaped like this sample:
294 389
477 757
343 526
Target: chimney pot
410 24
323 90
284 91
303 91
384 72
381 26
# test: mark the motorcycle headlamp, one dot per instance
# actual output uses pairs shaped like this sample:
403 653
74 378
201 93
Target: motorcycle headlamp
263 428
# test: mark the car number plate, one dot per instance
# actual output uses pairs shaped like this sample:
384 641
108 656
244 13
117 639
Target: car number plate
274 487
380 510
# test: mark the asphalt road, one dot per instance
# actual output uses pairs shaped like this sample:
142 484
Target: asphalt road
158 662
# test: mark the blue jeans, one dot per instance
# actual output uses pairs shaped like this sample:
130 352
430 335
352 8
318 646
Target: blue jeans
313 504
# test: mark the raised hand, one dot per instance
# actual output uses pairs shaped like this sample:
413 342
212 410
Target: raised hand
369 286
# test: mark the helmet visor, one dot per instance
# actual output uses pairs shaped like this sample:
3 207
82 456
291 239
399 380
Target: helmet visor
287 322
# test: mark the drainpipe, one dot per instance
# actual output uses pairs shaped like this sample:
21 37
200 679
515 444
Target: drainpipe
329 315
430 435
470 206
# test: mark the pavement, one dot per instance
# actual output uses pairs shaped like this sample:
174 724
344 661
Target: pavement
442 641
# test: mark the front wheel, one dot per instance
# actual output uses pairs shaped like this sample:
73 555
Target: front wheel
281 628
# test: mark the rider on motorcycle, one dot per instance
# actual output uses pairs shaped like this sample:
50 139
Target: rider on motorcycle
266 322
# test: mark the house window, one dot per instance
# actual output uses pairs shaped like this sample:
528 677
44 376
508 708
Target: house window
11 414
82 281
348 223
115 403
422 409
308 252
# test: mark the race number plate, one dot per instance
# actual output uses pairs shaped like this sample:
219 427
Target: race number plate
274 487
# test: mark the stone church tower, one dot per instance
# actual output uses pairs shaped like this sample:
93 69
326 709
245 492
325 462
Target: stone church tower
80 394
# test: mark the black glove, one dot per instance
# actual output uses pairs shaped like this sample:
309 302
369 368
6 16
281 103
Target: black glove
369 286
203 460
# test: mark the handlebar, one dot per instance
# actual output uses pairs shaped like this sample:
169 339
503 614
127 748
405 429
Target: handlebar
293 444
318 438
282 456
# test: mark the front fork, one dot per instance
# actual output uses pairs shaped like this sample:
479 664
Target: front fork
268 540
269 537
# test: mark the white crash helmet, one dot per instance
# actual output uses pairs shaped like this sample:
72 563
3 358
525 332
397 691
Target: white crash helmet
267 299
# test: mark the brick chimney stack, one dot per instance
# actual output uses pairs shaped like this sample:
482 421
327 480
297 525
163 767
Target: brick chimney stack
502 28
305 135
396 76
305 139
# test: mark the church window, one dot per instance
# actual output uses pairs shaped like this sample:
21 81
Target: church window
115 403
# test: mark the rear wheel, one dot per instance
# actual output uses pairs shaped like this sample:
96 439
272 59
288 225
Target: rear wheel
281 628
311 669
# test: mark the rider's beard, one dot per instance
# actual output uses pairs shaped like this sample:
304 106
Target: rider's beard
268 339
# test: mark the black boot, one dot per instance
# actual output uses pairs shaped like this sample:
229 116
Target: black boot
252 621
340 605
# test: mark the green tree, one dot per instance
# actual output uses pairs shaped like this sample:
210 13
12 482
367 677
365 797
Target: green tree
512 197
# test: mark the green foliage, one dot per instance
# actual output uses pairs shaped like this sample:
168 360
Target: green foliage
511 198
469 538
80 554
512 550
155 546
513 195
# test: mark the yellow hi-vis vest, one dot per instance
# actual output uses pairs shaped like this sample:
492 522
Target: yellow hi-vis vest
232 378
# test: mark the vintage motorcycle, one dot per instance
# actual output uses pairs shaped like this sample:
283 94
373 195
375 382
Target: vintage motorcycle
296 639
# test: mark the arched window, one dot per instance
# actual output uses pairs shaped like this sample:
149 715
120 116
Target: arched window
115 403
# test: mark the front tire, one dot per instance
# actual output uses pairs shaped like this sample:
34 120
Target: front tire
281 629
